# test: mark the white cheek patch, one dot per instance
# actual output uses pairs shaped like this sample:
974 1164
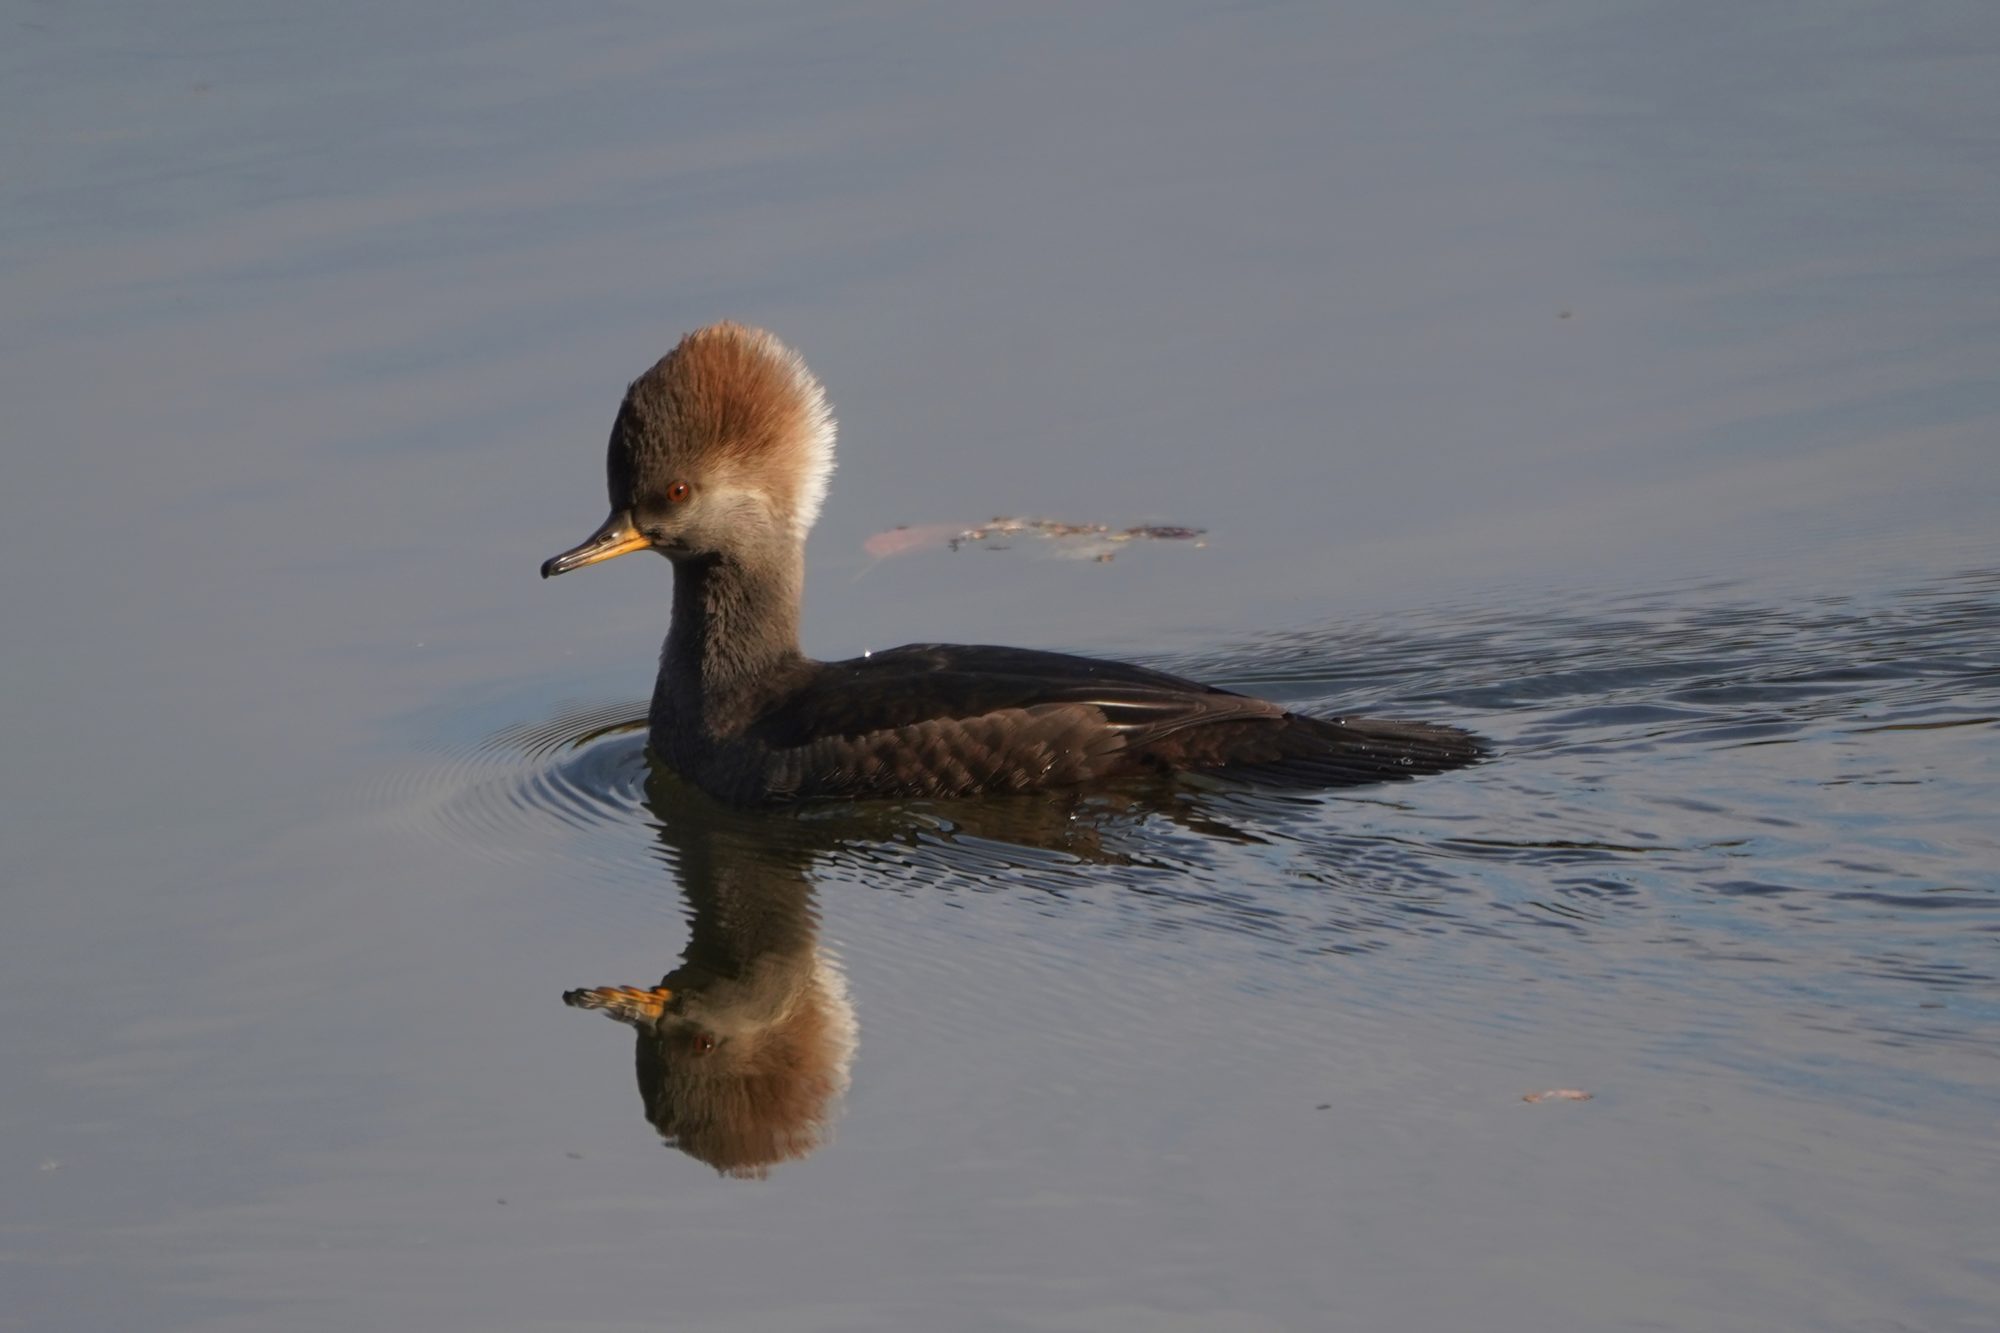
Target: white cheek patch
735 507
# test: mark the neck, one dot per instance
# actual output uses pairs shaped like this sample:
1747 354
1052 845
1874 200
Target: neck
734 639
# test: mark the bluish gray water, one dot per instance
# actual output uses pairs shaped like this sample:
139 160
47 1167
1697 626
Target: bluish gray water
1618 382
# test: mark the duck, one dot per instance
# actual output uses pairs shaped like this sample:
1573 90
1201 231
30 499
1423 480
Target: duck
719 459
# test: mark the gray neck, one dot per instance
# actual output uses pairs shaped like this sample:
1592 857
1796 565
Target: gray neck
733 644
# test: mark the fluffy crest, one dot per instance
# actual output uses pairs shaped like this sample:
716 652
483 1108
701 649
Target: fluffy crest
731 402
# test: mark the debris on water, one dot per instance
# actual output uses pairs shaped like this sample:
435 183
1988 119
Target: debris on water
1098 542
903 540
1558 1095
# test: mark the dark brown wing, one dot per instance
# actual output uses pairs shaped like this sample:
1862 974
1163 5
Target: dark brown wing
939 719
928 682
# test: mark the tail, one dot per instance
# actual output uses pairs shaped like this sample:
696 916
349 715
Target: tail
1345 752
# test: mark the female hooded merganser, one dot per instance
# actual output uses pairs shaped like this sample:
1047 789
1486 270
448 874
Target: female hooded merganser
719 460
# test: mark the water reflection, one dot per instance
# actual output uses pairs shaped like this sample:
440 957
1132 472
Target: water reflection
743 1051
1715 798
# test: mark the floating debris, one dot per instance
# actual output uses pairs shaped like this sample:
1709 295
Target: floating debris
1081 541
1559 1095
903 540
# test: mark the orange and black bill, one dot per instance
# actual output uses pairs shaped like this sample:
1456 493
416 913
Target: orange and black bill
617 537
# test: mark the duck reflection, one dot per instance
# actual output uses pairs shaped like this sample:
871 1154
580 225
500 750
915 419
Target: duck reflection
744 1049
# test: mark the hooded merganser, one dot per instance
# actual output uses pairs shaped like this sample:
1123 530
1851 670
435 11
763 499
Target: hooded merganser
719 460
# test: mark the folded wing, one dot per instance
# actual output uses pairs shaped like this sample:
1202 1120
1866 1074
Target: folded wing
938 719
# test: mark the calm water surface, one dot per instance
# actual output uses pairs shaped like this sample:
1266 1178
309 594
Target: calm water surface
1616 381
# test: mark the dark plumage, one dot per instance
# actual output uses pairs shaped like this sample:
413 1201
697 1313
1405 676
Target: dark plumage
719 460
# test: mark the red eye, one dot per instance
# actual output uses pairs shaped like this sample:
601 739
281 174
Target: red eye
678 492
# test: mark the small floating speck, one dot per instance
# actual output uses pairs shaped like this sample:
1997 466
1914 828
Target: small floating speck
1558 1095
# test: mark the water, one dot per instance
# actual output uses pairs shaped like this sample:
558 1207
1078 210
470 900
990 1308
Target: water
1617 383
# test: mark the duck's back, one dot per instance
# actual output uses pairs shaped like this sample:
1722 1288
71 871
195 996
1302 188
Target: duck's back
954 720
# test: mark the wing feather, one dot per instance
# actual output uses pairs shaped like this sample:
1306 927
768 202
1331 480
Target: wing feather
936 719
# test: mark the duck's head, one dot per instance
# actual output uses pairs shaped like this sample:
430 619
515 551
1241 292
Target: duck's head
723 450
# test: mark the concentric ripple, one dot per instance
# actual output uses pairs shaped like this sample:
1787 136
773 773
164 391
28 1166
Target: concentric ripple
513 794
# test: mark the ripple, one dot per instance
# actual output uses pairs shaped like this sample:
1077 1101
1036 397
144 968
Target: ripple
580 772
1736 800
